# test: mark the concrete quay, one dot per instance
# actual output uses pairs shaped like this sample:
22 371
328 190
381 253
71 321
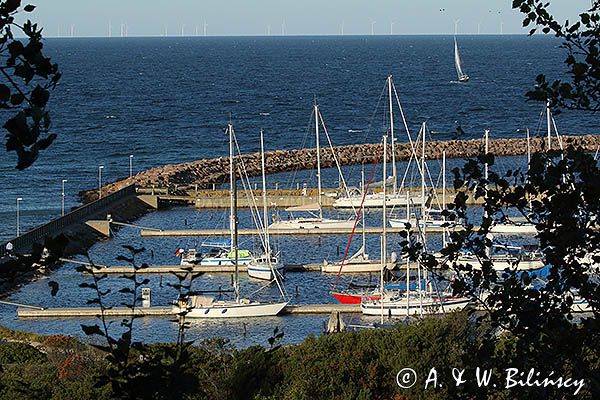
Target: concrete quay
94 312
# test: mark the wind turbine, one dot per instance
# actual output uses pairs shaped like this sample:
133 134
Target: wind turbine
183 30
373 27
72 30
109 28
479 28
269 30
392 27
283 28
122 29
197 29
205 27
501 28
342 27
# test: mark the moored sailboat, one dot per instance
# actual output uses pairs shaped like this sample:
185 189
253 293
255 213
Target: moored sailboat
316 219
269 264
207 306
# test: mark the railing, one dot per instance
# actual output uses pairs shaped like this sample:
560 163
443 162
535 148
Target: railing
56 226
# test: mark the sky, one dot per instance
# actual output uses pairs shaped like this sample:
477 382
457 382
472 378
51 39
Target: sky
84 18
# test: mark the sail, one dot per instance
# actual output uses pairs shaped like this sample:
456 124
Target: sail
457 63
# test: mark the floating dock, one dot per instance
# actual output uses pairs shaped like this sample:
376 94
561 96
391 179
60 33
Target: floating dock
273 232
174 269
224 269
93 312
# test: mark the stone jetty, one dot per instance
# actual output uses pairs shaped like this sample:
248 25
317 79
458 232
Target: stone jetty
206 172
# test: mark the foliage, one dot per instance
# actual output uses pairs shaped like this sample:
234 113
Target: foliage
19 353
581 40
136 370
560 195
29 76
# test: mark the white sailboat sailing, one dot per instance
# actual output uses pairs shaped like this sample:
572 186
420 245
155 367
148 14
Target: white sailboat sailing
207 306
462 77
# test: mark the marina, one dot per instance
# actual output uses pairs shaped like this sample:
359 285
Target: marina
310 210
300 200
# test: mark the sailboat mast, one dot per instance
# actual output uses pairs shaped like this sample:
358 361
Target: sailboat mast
487 150
264 194
231 189
236 282
394 173
444 241
384 217
318 158
423 205
485 175
364 238
423 202
528 150
548 123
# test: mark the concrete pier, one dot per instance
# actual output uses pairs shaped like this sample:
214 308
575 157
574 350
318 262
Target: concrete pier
205 173
93 312
275 232
178 269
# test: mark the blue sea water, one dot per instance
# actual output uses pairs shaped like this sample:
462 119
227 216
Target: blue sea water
167 101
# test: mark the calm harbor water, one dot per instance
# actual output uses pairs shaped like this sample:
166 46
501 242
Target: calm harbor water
167 100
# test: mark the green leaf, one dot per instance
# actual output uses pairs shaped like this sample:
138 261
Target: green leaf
92 330
53 288
16 99
4 93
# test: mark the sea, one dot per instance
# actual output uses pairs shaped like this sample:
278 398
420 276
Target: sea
169 100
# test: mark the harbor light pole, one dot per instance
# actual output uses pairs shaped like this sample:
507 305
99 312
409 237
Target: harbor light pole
130 165
100 168
62 208
19 199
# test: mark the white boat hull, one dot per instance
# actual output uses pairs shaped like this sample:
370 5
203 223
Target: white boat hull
234 310
216 261
264 272
502 264
401 223
375 201
412 306
513 229
312 223
353 267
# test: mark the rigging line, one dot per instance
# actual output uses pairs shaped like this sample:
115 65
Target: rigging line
369 129
256 218
249 193
357 218
320 117
557 134
538 129
292 178
410 141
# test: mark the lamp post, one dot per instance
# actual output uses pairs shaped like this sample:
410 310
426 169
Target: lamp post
62 208
130 165
100 168
19 199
